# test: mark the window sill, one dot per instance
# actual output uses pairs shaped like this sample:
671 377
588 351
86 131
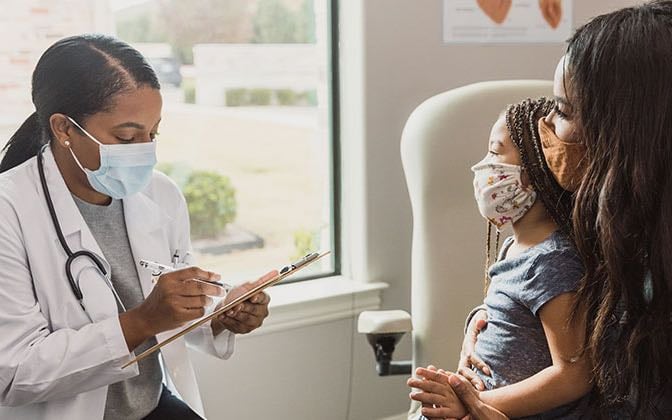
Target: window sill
318 301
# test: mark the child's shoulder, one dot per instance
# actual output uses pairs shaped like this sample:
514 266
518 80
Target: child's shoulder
558 246
555 258
555 269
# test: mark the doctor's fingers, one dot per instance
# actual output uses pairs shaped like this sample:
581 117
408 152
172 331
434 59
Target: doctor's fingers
189 273
191 302
256 305
189 314
235 326
254 316
260 299
198 288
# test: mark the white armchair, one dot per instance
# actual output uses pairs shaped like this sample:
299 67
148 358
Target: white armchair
442 139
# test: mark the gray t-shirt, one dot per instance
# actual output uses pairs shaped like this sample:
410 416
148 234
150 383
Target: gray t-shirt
136 397
513 344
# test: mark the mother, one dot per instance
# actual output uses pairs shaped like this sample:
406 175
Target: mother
615 95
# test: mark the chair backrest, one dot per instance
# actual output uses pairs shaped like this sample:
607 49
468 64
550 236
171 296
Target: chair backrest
443 137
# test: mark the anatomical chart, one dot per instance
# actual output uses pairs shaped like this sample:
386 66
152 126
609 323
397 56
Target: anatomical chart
506 21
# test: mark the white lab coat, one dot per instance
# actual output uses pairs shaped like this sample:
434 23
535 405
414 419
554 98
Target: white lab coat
55 364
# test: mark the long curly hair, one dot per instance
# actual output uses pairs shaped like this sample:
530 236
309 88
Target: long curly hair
619 77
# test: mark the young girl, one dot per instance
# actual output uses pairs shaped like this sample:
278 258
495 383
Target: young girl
534 364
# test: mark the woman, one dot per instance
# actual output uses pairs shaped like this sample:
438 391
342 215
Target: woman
615 96
531 287
77 179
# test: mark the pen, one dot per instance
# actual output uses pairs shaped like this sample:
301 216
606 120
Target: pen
157 269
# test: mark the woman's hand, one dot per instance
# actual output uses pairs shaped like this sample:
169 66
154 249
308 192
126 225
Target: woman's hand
175 300
469 396
248 315
468 357
436 395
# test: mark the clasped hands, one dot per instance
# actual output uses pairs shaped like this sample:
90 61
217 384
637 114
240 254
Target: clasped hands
447 395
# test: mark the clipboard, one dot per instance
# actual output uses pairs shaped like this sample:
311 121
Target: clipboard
282 274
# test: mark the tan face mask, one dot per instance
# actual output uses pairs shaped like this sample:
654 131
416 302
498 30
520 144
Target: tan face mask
565 160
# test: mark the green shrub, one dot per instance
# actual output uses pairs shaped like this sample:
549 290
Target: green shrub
261 97
286 97
166 168
304 242
177 171
211 200
236 97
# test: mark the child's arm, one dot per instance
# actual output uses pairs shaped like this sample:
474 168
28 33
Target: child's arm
565 381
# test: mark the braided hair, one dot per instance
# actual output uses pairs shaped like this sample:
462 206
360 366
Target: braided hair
522 123
521 120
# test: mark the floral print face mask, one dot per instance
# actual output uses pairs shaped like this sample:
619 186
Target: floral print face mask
500 193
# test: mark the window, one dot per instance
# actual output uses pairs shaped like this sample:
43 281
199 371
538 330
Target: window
248 114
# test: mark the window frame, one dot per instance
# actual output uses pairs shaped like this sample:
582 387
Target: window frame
334 145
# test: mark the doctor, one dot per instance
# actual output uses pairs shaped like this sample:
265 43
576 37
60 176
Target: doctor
80 205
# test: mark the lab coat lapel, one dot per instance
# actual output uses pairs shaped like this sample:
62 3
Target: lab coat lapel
148 228
146 224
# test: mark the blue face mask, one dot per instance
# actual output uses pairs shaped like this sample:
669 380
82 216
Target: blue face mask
125 169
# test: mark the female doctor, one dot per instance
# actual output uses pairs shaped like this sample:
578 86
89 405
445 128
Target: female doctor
80 205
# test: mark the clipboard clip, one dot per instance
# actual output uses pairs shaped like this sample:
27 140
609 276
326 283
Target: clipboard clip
303 261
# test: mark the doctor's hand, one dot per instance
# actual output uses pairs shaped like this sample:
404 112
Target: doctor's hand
248 315
175 300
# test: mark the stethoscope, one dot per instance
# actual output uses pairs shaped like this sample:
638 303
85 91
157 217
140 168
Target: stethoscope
72 256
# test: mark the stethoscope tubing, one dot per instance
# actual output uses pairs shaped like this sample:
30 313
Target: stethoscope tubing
72 256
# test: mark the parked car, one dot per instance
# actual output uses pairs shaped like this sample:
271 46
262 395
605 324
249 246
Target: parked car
167 70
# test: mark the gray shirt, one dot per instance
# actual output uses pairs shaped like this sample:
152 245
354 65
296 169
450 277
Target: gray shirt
136 397
513 343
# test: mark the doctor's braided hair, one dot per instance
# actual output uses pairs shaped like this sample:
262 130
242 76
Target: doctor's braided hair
78 76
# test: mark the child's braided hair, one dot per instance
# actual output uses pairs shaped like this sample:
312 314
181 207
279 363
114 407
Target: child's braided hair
522 123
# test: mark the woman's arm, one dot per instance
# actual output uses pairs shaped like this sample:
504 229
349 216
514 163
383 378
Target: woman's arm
565 381
476 321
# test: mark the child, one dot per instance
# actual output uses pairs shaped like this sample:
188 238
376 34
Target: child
531 346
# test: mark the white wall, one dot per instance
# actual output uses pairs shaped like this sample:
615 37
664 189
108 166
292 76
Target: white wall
392 58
